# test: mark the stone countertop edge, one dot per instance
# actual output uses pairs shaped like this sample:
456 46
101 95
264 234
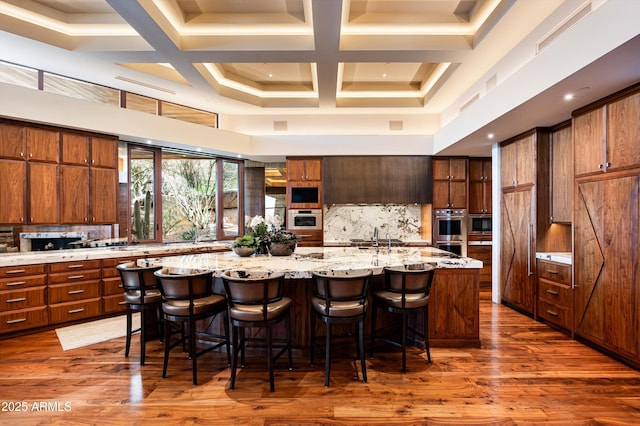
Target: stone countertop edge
306 260
559 257
76 255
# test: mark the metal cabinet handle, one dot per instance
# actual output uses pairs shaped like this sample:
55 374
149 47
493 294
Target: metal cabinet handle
16 321
555 314
529 250
19 299
16 283
75 292
76 277
74 266
554 293
552 272
15 271
75 311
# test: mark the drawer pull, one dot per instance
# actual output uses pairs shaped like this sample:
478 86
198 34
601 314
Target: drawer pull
75 311
16 283
16 321
74 266
555 314
75 292
19 299
76 277
552 292
16 271
552 272
122 303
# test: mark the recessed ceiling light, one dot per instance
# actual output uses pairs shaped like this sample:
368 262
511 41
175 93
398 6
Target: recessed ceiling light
270 75
568 96
199 149
384 75
490 135
149 142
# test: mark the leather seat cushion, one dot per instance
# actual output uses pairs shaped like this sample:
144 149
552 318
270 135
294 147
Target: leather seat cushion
135 297
412 300
254 312
339 309
213 303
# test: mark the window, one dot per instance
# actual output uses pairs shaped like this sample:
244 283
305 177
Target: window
231 199
143 187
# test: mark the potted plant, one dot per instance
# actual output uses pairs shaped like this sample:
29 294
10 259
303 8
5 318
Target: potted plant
244 246
282 243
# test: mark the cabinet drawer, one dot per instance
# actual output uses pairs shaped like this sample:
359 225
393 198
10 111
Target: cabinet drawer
70 277
114 304
74 266
555 314
71 311
23 319
18 282
109 266
21 299
554 271
21 271
111 286
554 293
69 292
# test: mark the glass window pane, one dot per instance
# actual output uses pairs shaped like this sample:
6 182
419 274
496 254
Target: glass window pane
80 90
188 197
230 187
142 192
18 76
191 115
141 103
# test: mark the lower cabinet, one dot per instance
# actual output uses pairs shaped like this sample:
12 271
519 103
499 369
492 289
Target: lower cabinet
23 298
482 253
555 297
112 293
74 290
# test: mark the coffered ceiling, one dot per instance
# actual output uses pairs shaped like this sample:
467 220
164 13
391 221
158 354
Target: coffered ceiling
414 64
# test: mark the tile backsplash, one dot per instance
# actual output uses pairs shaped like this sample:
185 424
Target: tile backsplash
343 222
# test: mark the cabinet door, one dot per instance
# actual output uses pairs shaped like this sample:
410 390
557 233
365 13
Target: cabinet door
12 142
295 170
488 196
476 169
606 263
508 165
12 192
561 176
458 169
440 195
313 169
440 169
42 145
43 193
74 194
517 286
623 133
458 194
104 152
103 196
75 149
476 197
525 166
588 138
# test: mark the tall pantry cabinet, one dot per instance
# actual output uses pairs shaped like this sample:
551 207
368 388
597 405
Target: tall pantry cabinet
524 174
606 215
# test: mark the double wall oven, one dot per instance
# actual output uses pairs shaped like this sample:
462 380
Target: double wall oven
450 230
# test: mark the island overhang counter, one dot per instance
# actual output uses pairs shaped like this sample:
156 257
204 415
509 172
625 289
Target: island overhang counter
454 306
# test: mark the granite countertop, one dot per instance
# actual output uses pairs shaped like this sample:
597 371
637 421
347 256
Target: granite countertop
404 243
306 260
560 257
139 250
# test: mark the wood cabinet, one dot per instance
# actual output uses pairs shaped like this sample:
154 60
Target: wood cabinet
561 189
608 135
74 290
43 194
104 152
42 144
103 195
480 181
12 141
12 192
74 194
517 163
449 183
22 297
304 169
484 254
112 292
74 149
555 297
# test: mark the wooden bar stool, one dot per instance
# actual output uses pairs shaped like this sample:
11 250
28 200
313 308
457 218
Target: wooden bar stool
340 298
188 298
141 294
407 290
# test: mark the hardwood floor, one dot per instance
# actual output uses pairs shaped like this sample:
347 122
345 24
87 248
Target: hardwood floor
525 373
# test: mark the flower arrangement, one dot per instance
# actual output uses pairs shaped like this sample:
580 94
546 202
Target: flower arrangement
264 234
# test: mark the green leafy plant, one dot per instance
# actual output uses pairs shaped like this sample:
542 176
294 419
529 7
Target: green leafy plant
247 240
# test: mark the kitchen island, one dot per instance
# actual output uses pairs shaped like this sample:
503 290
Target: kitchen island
454 307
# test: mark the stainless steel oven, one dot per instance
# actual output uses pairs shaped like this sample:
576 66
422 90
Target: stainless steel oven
480 224
450 230
300 219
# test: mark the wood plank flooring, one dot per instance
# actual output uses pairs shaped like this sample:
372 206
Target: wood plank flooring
525 373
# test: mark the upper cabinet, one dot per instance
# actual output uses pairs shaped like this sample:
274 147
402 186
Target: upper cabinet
300 169
12 141
480 185
517 161
104 152
608 136
561 174
74 149
42 145
449 183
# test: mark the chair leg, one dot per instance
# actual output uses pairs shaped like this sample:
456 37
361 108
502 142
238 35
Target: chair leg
327 356
363 363
143 337
225 322
312 336
404 342
160 320
167 344
287 324
272 386
373 329
242 342
234 358
426 333
192 350
128 342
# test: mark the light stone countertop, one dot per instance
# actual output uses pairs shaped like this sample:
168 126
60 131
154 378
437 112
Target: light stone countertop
306 260
141 250
560 257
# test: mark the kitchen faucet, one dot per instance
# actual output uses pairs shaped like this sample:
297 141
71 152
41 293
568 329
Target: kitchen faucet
375 239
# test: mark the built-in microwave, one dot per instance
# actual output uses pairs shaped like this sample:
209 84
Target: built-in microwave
300 219
304 195
480 224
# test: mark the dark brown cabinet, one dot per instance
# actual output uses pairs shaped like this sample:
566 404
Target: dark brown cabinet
12 192
74 149
561 175
74 193
517 161
480 190
482 253
43 194
42 145
22 297
301 169
449 183
103 195
104 152
555 297
12 141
